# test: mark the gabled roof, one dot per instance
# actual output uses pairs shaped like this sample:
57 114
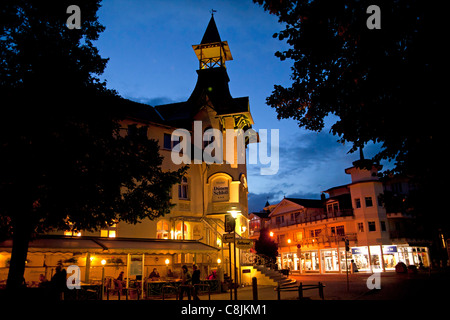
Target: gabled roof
293 204
261 214
307 203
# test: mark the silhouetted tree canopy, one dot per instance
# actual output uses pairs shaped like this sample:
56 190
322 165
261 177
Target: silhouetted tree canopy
383 85
265 245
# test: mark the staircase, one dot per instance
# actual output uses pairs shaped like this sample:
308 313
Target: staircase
276 276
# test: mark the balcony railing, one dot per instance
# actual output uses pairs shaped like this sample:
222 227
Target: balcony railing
306 218
321 239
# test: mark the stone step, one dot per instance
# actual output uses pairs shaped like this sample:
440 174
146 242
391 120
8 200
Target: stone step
276 276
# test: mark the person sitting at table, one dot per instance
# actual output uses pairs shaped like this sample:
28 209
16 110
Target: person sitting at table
213 275
155 274
170 274
119 282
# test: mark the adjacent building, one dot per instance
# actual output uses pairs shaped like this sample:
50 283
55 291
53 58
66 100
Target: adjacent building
312 234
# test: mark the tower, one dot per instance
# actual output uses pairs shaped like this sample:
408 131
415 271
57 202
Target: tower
370 215
212 52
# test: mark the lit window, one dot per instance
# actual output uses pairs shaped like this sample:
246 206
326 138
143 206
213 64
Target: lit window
72 233
360 227
109 232
179 232
338 231
162 230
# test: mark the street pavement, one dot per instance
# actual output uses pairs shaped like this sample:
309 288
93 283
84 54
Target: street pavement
388 286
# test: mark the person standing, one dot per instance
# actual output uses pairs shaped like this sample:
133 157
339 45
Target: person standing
186 279
195 280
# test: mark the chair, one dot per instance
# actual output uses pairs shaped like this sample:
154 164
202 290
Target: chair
114 286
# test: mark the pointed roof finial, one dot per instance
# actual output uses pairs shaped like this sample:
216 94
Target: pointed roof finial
212 12
211 34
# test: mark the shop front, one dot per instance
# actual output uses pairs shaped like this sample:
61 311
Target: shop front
330 261
390 257
360 255
417 256
380 258
377 258
310 261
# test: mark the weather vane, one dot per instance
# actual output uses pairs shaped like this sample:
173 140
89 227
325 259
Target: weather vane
212 12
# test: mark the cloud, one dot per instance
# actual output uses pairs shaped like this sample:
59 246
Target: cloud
151 101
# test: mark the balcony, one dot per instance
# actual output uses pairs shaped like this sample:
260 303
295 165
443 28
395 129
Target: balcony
304 219
321 239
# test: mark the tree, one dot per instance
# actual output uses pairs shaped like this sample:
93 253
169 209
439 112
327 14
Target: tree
265 245
383 85
65 160
372 80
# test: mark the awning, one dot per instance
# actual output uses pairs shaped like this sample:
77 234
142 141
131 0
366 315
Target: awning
112 245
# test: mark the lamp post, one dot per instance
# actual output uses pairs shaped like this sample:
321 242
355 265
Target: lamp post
167 261
347 249
103 262
234 213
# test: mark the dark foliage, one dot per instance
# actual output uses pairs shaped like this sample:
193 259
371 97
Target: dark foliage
65 161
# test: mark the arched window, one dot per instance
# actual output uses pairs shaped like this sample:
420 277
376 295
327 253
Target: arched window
183 189
162 229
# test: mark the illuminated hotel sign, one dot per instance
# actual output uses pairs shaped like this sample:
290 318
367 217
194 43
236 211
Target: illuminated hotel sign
220 190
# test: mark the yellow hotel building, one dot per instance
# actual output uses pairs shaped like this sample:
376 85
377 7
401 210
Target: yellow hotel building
193 231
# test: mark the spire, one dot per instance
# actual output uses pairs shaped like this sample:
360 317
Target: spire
211 34
212 52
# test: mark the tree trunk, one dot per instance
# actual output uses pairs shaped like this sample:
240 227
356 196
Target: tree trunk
21 237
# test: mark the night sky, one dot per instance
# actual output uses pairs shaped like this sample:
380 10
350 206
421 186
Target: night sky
149 44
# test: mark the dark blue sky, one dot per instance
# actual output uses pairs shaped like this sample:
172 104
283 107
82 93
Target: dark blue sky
149 44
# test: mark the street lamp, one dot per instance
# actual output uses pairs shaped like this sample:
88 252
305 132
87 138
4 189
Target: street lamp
234 213
103 262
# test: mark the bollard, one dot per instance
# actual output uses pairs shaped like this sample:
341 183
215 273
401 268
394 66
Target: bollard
255 288
321 291
300 291
279 291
